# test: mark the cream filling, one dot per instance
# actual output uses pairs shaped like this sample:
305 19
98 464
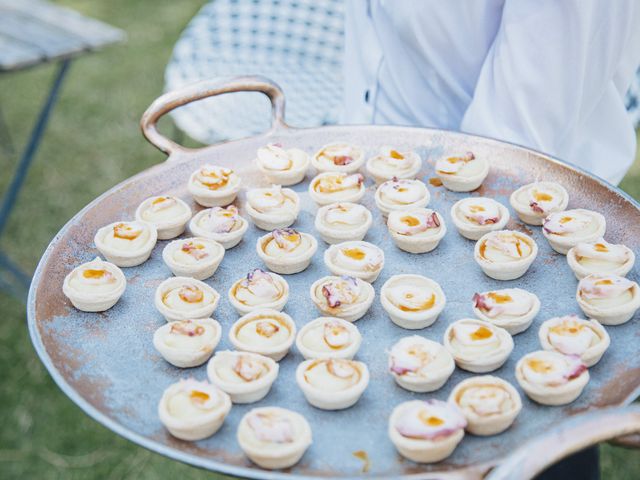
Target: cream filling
276 158
344 216
286 243
258 288
327 336
606 291
415 223
341 293
336 186
505 247
402 192
601 256
215 179
571 224
221 220
270 428
359 257
163 209
416 357
571 335
479 211
473 340
412 298
339 154
273 201
189 335
94 277
127 236
333 375
506 303
187 298
193 400
550 368
393 162
239 368
193 252
263 332
486 400
429 420
466 165
541 198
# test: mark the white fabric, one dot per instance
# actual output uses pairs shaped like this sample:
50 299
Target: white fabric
548 74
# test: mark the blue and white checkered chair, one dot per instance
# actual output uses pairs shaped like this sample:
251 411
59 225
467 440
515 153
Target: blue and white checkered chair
296 43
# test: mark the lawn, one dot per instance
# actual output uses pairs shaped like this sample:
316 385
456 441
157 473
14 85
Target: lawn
92 143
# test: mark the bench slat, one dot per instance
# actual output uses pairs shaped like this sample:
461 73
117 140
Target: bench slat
15 55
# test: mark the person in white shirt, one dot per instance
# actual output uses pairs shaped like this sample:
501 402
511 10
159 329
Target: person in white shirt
547 74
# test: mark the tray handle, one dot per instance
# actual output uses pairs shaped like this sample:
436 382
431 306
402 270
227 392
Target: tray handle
204 89
589 429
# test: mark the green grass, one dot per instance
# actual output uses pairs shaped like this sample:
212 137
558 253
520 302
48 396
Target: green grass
93 142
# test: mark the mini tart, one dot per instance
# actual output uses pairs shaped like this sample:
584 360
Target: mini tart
416 230
272 207
187 343
412 301
338 157
328 337
333 187
426 431
332 383
420 365
344 297
282 166
489 404
401 194
224 225
511 308
391 163
182 298
477 346
94 286
568 228
462 173
168 214
551 378
610 299
197 257
536 201
339 222
193 410
266 332
246 377
126 244
355 259
475 216
600 257
505 254
571 335
286 251
259 289
214 186
274 437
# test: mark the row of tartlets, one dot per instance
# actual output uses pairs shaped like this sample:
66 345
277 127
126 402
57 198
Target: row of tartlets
329 377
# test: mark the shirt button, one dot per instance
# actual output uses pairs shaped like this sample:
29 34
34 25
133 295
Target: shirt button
366 96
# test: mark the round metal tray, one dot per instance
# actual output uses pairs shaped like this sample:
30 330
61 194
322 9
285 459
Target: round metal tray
106 362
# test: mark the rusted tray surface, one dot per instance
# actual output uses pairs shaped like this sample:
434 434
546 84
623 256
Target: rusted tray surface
106 362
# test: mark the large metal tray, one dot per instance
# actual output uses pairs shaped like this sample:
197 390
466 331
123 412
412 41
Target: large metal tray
106 362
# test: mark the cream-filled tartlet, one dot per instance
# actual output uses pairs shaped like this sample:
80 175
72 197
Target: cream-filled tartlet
412 301
401 194
572 335
328 337
426 431
167 213
214 186
126 244
511 308
416 230
224 225
183 298
478 346
475 216
286 250
340 222
336 187
505 254
391 163
94 286
197 257
489 404
187 343
568 228
193 410
345 297
536 201
338 157
282 166
266 332
274 437
272 207
600 257
462 173
259 289
355 259
333 383
610 299
246 377
551 378
420 365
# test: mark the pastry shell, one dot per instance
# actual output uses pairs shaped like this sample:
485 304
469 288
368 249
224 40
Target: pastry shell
350 313
525 212
122 258
494 423
335 235
581 271
590 356
214 198
227 240
512 324
505 270
248 392
325 199
288 177
184 358
472 231
367 275
387 207
171 314
418 243
347 352
167 229
417 319
275 352
354 166
202 269
616 315
279 304
273 221
93 301
291 264
562 244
